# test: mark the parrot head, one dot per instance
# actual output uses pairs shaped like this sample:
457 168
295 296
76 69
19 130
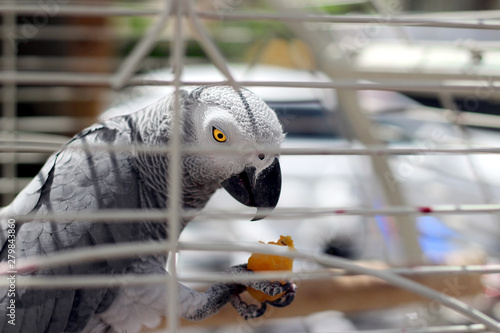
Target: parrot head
220 116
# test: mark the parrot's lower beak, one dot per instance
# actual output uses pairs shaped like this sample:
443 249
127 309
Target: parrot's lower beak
262 192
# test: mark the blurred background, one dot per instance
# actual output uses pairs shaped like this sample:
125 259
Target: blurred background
375 74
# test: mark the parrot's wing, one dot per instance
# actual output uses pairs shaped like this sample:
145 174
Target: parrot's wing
30 195
72 180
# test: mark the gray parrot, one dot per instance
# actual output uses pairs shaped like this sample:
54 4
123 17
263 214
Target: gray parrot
81 180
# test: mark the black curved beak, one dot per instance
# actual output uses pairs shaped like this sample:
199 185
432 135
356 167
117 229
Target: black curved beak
262 192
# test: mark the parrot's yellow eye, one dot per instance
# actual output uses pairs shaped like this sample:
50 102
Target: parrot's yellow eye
218 135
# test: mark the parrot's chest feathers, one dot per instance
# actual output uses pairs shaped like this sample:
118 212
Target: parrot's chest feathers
135 307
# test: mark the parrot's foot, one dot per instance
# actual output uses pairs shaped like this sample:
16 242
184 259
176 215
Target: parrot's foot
271 288
250 311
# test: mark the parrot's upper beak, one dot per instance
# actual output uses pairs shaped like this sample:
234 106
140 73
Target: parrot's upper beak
262 192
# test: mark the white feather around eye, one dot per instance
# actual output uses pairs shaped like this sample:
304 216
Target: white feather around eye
222 121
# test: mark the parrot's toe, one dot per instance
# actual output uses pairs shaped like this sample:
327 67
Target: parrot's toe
271 288
286 299
248 311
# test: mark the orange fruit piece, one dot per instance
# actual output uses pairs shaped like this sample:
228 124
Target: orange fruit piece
266 262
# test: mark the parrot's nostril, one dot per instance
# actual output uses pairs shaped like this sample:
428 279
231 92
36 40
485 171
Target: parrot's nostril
262 156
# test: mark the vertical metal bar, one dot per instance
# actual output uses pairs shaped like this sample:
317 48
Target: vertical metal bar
210 47
131 63
9 102
379 5
175 169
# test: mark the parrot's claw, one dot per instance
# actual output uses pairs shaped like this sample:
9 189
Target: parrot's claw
286 299
248 311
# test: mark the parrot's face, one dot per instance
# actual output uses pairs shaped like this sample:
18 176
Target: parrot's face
250 176
220 130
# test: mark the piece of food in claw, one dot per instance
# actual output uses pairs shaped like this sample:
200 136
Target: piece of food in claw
268 262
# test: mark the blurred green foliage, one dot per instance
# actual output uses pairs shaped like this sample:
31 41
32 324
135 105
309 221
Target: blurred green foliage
234 38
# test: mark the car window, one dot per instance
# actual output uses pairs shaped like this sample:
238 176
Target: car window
306 119
311 120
